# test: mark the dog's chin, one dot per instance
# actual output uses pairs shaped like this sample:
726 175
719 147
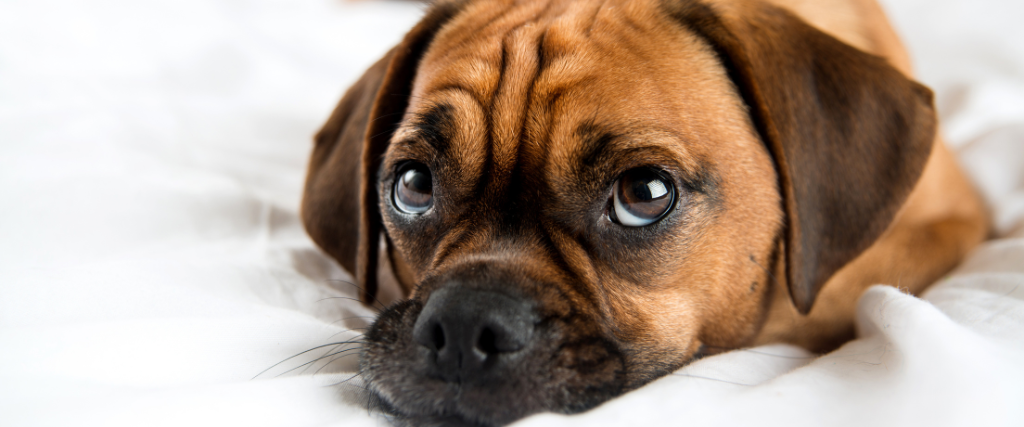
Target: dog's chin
400 419
472 418
558 372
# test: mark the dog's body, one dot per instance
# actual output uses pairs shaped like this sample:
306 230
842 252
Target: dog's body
940 221
578 196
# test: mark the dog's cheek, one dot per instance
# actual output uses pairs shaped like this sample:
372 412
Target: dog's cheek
594 371
381 341
658 326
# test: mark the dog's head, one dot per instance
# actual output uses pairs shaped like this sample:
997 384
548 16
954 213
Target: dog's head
576 196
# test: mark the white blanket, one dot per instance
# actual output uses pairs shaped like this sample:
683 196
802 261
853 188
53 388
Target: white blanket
152 262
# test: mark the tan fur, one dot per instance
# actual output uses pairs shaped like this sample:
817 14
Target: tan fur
690 103
547 103
942 219
680 93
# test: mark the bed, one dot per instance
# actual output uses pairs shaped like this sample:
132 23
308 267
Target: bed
153 270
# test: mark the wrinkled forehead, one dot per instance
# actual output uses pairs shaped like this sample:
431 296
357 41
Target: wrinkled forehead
528 81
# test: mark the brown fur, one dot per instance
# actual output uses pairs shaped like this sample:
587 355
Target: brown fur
808 168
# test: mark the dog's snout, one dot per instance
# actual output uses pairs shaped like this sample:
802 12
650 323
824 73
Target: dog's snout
469 332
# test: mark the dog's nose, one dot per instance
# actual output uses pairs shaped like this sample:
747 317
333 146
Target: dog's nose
470 332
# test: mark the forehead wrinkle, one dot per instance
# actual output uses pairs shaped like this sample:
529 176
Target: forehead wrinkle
495 62
525 54
564 95
468 51
474 72
572 37
465 53
508 111
569 60
575 258
460 235
525 62
632 106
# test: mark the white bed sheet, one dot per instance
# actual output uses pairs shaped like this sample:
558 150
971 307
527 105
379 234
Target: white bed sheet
152 263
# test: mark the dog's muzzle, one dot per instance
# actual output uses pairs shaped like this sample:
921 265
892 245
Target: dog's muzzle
486 345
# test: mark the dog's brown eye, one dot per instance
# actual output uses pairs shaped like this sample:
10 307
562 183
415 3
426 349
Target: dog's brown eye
414 189
641 197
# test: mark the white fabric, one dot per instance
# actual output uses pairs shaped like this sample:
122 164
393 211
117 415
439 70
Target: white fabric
152 262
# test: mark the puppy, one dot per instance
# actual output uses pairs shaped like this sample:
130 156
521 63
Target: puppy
578 197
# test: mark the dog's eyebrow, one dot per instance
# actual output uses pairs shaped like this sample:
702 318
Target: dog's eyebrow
435 126
594 142
598 145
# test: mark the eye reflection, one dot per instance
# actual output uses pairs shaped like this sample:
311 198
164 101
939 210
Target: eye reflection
414 189
641 197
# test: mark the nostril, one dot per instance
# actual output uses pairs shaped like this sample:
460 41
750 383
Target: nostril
437 337
487 342
462 331
430 332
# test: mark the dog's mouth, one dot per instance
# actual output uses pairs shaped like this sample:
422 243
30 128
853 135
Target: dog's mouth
478 357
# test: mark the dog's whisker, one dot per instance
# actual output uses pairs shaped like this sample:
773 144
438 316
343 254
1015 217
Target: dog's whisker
311 362
340 297
307 351
347 380
409 95
352 317
781 356
349 330
360 288
329 362
714 379
387 115
775 281
748 350
335 347
368 397
392 130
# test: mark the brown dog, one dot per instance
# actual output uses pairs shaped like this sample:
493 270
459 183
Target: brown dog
577 197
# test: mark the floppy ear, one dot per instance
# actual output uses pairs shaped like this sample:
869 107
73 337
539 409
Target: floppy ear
340 202
849 134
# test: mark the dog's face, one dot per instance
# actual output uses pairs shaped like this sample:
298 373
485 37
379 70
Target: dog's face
579 196
595 182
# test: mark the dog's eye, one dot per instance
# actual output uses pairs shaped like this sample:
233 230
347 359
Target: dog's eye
641 197
414 189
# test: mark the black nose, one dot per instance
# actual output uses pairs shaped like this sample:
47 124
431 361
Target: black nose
471 332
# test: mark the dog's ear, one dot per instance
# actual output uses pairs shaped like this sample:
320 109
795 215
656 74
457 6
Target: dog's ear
340 201
849 134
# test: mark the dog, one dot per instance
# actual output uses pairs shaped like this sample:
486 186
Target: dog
575 198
